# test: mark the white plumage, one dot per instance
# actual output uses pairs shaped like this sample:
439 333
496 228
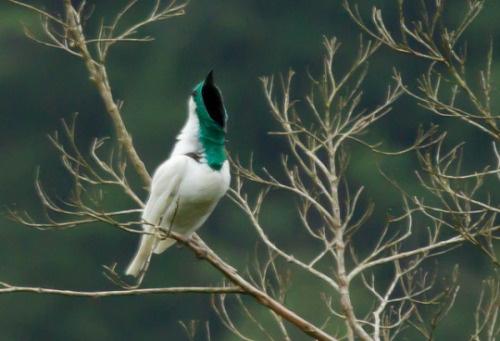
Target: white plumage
184 191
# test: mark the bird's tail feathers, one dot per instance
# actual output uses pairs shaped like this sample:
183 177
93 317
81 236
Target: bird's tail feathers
163 245
142 256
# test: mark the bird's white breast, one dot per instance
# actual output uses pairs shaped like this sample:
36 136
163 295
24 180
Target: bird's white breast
202 183
199 191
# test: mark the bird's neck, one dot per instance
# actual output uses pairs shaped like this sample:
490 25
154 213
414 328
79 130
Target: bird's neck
203 140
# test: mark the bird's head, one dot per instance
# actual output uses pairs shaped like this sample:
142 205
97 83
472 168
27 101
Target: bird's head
209 106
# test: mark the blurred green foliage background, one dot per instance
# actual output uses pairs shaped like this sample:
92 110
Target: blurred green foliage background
241 40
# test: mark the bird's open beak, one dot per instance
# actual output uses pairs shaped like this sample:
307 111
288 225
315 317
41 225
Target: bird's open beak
210 78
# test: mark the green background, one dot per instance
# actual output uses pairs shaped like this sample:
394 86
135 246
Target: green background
241 40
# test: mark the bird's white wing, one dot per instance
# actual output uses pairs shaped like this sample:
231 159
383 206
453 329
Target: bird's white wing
164 187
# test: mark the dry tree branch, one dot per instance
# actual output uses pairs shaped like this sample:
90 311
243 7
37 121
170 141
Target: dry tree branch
336 124
99 76
438 45
191 329
314 173
90 174
43 13
486 315
73 40
226 318
67 34
464 203
317 151
8 288
202 251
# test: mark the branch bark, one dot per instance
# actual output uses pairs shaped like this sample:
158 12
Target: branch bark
202 251
99 76
132 292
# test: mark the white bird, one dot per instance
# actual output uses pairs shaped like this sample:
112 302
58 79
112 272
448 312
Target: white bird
186 188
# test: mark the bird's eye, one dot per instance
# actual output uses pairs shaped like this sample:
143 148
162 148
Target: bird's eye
194 94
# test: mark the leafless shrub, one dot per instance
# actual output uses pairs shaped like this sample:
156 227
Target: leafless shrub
314 173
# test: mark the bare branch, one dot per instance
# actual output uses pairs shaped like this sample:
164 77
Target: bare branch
7 288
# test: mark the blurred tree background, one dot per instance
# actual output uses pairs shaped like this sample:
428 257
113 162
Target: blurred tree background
240 40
